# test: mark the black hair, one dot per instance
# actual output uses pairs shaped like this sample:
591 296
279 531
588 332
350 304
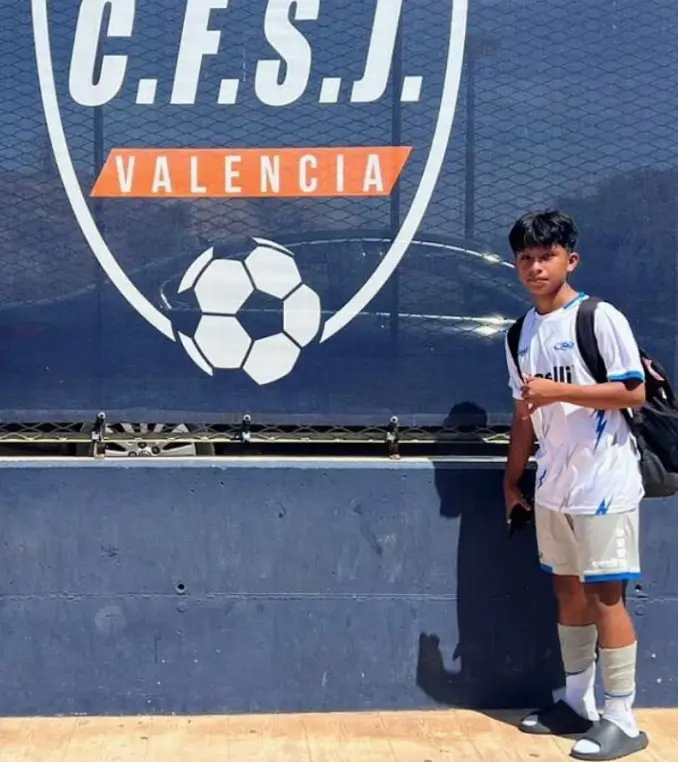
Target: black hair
549 228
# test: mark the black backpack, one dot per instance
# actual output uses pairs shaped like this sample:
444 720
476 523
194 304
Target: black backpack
654 424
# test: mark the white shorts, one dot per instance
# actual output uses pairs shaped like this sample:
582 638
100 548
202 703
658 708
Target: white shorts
593 548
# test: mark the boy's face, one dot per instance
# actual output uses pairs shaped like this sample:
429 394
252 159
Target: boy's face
543 270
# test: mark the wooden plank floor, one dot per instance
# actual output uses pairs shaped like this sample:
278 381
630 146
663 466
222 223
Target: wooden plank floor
436 736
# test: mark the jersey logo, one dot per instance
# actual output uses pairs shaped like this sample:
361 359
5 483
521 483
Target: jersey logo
560 373
564 345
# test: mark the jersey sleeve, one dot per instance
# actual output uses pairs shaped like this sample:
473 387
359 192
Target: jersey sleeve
617 345
515 382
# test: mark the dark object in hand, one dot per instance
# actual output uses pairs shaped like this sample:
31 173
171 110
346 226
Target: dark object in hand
520 518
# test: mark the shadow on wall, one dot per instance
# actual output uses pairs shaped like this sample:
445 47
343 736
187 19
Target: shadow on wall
508 653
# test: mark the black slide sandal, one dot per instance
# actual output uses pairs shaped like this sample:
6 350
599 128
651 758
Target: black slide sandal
613 743
557 720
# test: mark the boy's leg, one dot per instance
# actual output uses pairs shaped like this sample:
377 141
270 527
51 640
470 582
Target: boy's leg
610 556
578 638
576 630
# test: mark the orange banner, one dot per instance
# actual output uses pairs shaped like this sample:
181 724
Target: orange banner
250 172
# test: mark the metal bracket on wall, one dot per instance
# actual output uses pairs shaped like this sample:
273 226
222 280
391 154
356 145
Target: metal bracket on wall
98 436
393 437
245 433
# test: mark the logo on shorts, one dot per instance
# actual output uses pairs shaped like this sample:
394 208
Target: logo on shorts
610 563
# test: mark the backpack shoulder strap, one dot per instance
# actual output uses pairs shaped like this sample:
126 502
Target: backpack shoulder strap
588 344
586 339
513 340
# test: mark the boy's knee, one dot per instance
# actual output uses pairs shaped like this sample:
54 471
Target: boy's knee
569 589
603 596
572 603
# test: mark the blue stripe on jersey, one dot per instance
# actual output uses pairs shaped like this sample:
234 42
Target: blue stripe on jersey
601 423
627 376
602 508
581 295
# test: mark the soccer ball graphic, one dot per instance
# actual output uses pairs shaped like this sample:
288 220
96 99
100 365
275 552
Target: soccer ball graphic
222 290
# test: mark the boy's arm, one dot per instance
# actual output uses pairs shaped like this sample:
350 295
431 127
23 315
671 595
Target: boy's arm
614 395
521 441
520 448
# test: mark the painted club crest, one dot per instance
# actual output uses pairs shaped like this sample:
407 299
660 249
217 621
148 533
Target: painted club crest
249 122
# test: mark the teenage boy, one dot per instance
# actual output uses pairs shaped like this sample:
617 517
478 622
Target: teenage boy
588 486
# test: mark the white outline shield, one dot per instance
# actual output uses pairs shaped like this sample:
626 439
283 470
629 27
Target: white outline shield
376 281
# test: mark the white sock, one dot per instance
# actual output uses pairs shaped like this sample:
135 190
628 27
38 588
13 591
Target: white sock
620 711
617 710
618 668
580 692
578 650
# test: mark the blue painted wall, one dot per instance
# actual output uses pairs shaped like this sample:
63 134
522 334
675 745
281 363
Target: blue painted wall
309 585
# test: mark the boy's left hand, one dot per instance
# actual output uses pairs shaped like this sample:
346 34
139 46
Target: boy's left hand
538 392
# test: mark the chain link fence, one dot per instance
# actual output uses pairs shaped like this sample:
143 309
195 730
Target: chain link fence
559 104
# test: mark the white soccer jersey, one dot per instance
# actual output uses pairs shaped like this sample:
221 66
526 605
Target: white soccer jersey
587 461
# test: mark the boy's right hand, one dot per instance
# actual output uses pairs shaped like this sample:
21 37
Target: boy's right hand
512 498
